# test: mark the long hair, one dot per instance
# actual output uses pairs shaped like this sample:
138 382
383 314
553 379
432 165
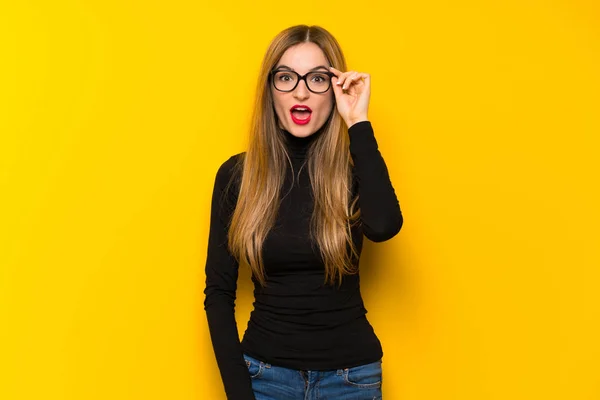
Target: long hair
263 172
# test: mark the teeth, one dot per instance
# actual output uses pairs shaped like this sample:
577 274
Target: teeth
300 109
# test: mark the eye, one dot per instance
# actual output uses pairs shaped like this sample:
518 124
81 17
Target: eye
319 78
284 77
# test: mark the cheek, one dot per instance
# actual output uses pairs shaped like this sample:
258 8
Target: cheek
278 103
326 106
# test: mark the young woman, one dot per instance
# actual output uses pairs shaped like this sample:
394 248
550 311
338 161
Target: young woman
294 208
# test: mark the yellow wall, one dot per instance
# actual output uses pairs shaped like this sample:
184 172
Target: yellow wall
115 115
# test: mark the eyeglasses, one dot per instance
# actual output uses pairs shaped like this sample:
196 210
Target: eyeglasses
316 81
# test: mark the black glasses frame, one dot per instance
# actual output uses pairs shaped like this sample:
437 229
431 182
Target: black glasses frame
301 78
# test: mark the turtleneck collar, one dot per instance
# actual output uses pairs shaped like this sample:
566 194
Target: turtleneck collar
298 146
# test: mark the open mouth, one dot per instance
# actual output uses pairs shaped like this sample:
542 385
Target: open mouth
300 114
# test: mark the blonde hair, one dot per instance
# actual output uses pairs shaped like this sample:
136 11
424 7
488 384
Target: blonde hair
263 172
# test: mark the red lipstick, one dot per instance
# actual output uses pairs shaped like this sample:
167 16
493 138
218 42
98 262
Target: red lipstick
300 114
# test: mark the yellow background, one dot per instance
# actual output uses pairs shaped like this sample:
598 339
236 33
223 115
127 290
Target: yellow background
115 116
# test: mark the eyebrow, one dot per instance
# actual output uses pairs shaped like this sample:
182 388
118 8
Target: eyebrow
312 69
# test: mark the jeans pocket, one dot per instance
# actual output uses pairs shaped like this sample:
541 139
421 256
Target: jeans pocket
255 367
366 376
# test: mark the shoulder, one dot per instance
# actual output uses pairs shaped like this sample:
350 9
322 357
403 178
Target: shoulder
228 170
229 166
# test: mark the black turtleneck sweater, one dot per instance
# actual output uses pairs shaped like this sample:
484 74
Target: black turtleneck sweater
298 322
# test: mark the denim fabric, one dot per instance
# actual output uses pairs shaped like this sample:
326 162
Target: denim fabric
270 382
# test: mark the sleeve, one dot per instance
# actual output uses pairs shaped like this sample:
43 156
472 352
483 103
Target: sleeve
220 293
381 216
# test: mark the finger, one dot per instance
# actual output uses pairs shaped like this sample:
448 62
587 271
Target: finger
365 78
336 71
351 79
347 81
344 76
337 89
362 78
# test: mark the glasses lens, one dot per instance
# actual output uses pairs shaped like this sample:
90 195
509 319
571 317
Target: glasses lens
284 80
318 81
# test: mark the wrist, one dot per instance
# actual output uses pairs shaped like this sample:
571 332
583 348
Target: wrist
356 121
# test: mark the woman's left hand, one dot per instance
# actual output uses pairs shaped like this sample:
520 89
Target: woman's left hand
352 91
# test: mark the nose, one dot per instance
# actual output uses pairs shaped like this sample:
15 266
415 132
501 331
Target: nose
301 91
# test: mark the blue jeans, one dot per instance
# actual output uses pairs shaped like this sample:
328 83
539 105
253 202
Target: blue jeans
270 382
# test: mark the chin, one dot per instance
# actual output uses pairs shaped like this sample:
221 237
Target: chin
300 132
303 130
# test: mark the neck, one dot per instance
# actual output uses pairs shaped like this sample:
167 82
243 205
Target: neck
298 146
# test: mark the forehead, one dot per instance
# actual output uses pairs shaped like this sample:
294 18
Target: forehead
303 57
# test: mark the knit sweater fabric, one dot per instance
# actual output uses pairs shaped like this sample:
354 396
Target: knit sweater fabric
298 321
